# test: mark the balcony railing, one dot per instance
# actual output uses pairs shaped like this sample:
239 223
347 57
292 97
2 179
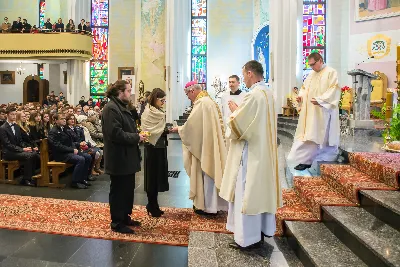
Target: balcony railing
45 46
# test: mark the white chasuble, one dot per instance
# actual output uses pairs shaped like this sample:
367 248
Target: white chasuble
254 122
204 150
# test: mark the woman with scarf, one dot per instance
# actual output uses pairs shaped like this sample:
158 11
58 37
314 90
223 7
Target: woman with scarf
155 151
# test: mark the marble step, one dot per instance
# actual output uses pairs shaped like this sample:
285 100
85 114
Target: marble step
288 120
288 126
373 241
315 245
286 133
208 249
184 117
180 122
385 205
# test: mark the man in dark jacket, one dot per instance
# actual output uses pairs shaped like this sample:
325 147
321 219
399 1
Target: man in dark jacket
121 155
64 149
12 147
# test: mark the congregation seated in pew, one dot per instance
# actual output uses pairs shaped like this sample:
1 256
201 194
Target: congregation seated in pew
14 147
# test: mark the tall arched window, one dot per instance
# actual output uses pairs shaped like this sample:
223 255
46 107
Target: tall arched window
42 13
314 31
99 63
199 41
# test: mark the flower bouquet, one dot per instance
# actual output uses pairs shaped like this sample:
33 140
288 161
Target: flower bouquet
343 90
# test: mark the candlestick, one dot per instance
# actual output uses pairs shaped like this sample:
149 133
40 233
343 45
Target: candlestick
389 105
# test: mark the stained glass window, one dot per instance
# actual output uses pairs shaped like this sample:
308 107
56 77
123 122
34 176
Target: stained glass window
199 41
40 68
314 31
42 13
99 62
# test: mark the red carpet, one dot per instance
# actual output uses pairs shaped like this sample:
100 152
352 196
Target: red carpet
92 220
338 185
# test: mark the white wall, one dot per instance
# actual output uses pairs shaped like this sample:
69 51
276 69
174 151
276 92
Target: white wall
63 87
122 37
28 9
337 36
230 32
14 92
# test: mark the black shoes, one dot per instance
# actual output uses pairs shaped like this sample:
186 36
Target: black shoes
133 223
153 211
257 245
121 228
202 212
79 186
86 183
92 178
302 167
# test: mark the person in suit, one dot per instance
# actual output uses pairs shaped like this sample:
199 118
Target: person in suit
88 28
121 155
64 149
26 27
82 26
12 148
59 25
48 25
17 25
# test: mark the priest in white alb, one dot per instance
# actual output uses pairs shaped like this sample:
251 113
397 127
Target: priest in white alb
318 130
251 183
204 151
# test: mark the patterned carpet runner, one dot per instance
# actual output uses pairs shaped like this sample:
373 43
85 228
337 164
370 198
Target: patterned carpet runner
92 220
338 186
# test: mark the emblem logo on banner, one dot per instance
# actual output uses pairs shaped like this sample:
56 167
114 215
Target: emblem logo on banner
379 46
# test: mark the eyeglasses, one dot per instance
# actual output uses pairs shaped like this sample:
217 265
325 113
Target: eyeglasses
162 100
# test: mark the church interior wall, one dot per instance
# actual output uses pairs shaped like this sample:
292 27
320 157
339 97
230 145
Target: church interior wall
14 92
63 87
361 32
122 37
230 32
153 45
13 9
53 11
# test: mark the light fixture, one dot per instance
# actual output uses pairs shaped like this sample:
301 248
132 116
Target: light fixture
20 70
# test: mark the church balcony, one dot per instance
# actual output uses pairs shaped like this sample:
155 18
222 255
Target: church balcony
45 46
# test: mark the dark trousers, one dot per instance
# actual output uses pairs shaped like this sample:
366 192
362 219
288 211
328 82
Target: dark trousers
121 197
82 164
28 159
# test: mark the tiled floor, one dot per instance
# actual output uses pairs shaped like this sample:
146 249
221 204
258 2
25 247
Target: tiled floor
18 248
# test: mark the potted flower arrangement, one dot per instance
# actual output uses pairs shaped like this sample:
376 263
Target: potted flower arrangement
344 90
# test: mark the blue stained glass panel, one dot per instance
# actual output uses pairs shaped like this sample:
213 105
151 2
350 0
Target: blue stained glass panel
199 41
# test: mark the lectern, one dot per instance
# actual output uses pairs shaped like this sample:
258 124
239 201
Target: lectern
362 89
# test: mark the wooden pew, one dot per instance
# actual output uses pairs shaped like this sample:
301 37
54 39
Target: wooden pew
12 166
50 170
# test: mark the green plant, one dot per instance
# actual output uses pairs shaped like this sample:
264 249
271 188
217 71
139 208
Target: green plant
379 114
395 124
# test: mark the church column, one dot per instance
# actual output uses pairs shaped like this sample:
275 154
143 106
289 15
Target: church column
177 56
284 48
77 84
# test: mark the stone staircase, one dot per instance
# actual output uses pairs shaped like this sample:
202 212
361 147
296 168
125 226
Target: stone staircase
182 119
287 126
339 219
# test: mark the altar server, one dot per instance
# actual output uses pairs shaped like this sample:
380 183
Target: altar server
318 129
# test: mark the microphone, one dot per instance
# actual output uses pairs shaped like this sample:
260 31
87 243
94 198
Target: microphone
365 60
